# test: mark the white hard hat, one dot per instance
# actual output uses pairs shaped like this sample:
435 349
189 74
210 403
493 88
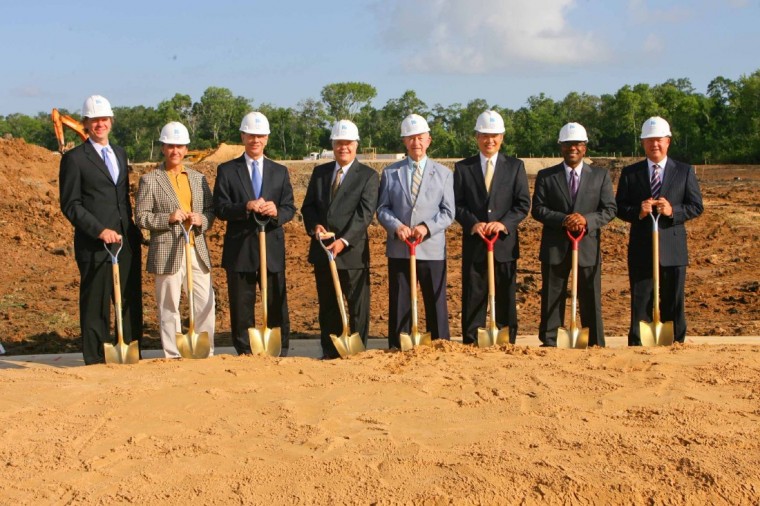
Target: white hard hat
573 132
96 106
655 127
255 123
344 130
174 133
490 122
414 124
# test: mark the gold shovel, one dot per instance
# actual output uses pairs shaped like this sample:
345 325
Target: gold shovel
192 344
409 341
656 333
263 339
119 353
345 344
492 334
574 337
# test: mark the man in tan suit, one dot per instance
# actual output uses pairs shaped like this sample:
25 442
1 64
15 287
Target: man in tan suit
170 197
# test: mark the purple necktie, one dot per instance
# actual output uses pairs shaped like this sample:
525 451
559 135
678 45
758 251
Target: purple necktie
573 184
656 181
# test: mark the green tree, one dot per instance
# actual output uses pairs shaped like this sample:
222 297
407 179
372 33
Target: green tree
219 114
345 100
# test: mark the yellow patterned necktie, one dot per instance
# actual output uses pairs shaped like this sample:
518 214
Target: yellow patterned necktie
489 175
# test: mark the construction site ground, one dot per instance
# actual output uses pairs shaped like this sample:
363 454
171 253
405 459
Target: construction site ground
448 424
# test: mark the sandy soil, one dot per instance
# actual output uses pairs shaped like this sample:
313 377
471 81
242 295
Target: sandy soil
444 425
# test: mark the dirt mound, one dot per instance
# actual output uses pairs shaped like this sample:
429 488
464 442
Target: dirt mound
224 153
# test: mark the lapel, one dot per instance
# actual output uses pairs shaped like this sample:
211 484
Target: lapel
669 176
560 178
123 170
584 182
166 186
195 189
643 178
96 159
267 179
401 176
245 178
499 173
480 180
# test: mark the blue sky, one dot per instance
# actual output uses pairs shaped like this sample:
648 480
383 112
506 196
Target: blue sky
56 53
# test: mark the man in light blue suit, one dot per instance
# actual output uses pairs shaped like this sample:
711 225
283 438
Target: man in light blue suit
416 202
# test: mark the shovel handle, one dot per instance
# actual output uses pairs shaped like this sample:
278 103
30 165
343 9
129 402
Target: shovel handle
413 245
114 256
575 239
490 240
326 235
262 222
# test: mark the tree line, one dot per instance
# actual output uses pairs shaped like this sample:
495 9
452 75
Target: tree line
719 126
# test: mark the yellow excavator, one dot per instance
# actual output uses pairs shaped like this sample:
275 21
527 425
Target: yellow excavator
63 120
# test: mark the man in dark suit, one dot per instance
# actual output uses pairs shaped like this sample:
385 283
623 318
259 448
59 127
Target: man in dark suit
94 189
341 198
245 187
669 188
575 197
492 197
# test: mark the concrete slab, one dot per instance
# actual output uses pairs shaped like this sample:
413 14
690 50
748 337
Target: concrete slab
310 348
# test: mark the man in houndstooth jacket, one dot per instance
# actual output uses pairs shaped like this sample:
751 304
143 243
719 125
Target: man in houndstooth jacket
170 197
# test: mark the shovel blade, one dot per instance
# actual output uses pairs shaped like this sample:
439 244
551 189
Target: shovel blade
487 337
572 338
122 353
656 333
409 341
348 344
265 341
193 345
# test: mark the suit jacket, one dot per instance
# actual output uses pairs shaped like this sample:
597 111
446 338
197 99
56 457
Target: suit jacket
155 201
681 189
552 203
508 203
232 191
434 207
348 215
92 202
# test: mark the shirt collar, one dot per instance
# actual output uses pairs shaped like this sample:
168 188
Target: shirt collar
99 147
484 160
421 163
249 160
661 164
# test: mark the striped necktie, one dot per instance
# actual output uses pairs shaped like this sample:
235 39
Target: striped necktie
336 183
416 179
656 181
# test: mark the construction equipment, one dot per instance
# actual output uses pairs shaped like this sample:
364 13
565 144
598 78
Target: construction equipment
656 333
63 120
414 338
345 344
492 334
119 353
573 337
191 344
263 339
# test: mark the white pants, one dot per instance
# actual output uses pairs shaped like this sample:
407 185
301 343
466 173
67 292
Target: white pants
169 288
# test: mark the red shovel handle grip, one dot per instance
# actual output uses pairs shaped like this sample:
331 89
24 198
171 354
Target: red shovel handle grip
413 245
490 240
575 239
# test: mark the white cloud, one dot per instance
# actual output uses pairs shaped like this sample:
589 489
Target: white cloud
479 36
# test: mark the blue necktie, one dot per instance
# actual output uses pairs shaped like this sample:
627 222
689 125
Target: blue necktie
256 179
109 165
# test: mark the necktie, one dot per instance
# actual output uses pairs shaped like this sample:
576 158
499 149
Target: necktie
107 159
416 179
489 175
336 183
256 179
656 181
573 184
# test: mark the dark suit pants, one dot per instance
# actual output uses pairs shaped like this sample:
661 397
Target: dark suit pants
355 286
241 287
431 275
475 298
96 300
554 294
672 286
